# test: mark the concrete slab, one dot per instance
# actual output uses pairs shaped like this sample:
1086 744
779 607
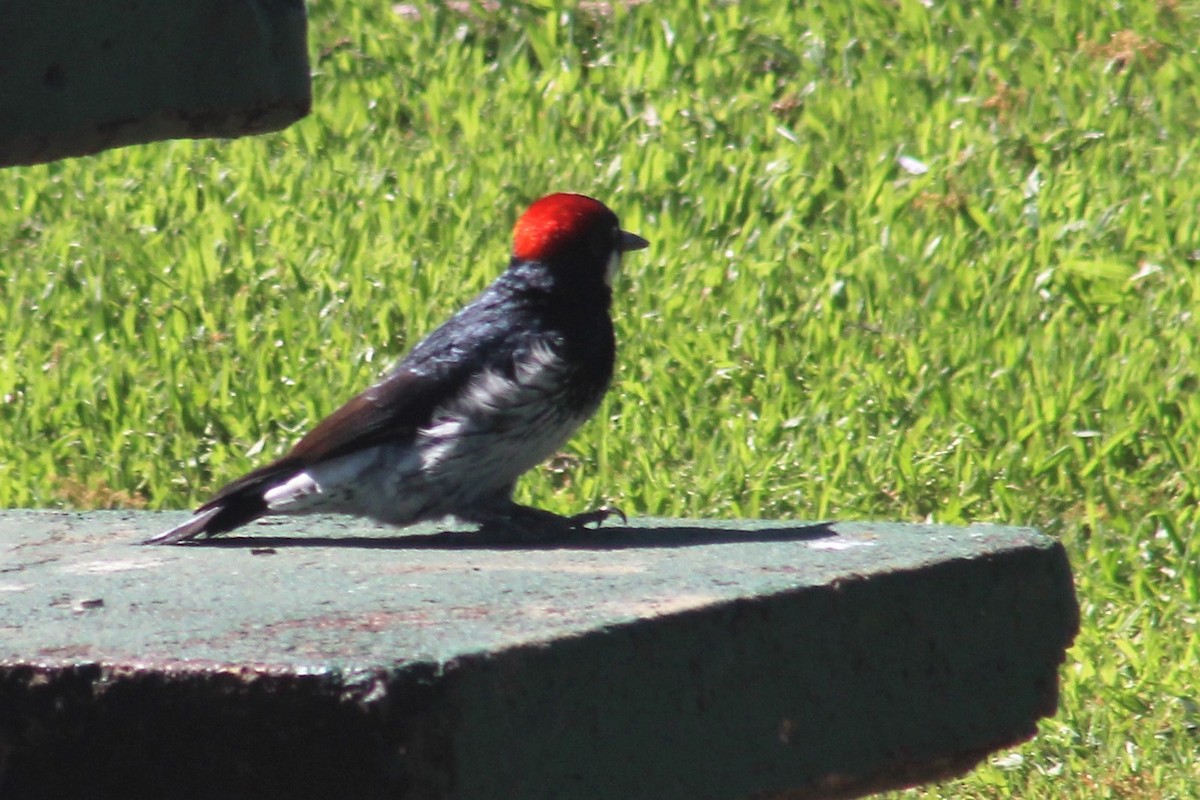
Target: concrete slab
670 659
81 76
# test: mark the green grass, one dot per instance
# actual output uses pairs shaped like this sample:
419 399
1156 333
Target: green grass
1007 333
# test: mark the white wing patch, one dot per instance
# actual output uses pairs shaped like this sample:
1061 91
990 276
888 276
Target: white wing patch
332 483
296 494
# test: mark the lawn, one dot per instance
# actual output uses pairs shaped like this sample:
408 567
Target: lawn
911 261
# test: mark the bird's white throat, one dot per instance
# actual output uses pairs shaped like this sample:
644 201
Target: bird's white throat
614 266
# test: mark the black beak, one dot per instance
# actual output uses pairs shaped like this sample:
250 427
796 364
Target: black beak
631 241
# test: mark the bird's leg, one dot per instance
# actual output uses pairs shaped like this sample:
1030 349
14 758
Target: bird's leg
598 516
518 523
506 520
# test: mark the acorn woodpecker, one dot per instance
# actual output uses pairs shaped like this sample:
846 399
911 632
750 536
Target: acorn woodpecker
484 398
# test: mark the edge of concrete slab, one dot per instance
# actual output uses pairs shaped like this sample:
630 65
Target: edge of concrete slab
829 688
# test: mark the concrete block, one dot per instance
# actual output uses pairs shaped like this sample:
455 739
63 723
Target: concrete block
671 659
81 76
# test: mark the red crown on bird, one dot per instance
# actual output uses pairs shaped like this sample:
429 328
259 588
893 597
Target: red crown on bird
555 222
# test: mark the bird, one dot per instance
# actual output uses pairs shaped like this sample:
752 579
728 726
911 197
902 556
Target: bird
484 398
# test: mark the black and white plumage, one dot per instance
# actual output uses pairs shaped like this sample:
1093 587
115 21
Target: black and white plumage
484 398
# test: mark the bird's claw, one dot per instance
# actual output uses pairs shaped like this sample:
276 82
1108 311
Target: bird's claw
597 516
524 524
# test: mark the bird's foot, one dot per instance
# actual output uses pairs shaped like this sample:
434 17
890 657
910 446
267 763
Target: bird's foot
597 516
518 523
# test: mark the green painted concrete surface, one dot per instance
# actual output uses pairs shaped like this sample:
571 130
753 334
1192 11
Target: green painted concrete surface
80 76
670 659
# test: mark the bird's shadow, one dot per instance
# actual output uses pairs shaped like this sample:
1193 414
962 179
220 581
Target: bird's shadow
606 538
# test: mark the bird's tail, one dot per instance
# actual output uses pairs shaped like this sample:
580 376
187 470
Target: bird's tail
195 526
223 513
